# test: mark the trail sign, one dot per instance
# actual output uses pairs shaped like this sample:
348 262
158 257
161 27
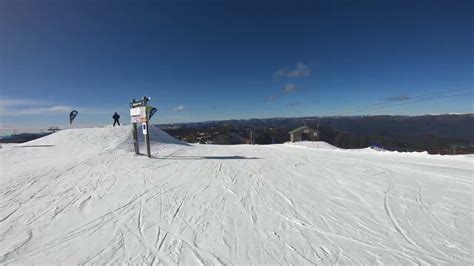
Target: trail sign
138 114
141 113
136 111
142 102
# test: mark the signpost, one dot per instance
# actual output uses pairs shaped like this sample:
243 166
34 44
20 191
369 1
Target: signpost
147 138
140 113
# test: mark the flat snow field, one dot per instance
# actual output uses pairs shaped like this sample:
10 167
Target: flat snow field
81 196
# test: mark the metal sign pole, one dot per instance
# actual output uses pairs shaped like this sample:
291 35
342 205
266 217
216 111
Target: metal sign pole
135 138
147 138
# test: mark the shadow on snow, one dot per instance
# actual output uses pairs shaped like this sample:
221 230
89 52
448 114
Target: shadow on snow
235 157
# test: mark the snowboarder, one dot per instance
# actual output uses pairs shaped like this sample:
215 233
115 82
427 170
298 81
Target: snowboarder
116 118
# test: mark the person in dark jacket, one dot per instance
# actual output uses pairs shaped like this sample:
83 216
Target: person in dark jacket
116 118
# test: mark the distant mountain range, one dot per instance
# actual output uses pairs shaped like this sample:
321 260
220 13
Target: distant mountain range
459 126
434 133
22 137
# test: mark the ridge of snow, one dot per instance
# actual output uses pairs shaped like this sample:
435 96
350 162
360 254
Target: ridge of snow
313 144
107 138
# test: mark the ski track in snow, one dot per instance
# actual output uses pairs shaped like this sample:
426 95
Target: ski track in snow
89 200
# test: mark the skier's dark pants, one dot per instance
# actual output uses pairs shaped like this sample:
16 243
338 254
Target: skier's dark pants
116 121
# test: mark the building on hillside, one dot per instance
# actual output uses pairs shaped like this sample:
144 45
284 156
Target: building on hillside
53 129
304 134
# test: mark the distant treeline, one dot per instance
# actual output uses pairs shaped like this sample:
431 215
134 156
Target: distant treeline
433 133
23 137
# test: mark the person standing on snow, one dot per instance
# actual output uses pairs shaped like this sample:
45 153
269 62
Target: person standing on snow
116 118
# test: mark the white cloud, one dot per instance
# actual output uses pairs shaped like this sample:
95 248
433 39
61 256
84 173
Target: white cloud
22 102
289 88
301 70
61 109
179 108
9 106
286 89
58 109
19 107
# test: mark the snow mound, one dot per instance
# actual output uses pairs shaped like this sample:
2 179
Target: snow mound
158 135
103 138
324 146
375 148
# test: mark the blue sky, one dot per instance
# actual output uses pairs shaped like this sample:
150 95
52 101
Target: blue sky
212 60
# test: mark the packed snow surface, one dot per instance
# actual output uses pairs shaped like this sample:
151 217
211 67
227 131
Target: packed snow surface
82 196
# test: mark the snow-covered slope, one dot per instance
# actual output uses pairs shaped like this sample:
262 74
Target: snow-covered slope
107 137
82 196
313 145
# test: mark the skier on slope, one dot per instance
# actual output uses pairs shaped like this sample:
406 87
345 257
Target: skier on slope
116 118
